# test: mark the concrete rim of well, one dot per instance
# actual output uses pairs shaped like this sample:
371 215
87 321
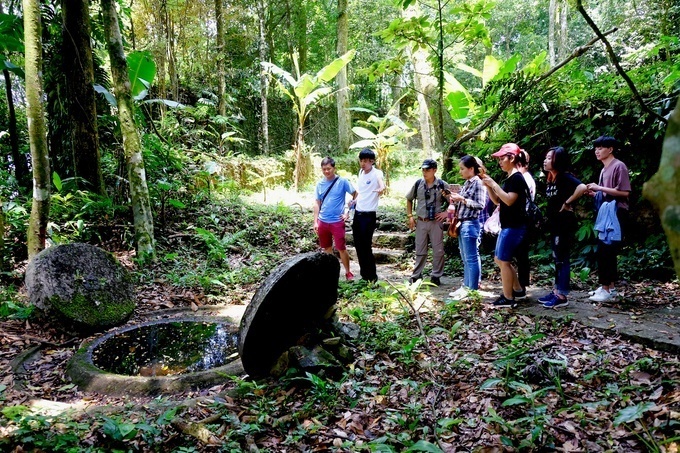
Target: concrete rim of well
90 378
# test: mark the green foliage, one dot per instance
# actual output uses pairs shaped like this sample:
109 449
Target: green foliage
10 308
305 91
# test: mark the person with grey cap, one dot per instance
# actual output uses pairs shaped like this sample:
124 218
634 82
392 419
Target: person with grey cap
428 193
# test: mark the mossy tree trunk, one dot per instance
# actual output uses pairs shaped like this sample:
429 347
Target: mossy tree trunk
141 206
40 208
82 109
663 189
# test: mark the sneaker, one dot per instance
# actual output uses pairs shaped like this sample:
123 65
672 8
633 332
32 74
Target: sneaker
349 276
519 295
435 281
601 295
556 303
503 302
412 280
612 291
547 298
459 294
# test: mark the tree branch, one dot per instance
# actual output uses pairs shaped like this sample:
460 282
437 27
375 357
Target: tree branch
515 96
615 61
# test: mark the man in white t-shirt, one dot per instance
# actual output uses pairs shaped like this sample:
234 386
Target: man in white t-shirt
369 188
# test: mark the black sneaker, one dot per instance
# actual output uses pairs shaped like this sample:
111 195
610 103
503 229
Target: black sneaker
502 302
435 281
519 295
412 280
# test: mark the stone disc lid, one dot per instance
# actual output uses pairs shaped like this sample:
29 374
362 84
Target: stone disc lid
292 300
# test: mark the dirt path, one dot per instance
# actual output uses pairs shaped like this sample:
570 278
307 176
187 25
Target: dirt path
637 315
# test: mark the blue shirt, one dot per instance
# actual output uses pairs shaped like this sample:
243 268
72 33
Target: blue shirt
334 204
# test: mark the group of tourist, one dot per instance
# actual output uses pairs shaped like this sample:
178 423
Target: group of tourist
432 202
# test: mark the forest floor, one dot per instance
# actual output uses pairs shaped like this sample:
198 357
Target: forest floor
470 378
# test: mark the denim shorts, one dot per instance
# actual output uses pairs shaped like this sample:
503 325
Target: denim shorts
508 241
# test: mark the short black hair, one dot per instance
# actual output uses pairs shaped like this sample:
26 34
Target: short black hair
328 161
605 141
366 153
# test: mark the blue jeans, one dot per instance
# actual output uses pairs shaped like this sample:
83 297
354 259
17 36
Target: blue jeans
561 247
468 244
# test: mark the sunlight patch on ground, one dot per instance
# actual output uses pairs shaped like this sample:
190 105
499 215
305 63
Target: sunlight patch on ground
305 197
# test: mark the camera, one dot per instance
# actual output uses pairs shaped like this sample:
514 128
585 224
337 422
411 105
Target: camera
430 212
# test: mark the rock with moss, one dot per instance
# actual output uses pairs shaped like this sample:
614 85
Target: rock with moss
82 285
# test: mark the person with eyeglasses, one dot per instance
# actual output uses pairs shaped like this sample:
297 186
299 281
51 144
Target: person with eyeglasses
512 199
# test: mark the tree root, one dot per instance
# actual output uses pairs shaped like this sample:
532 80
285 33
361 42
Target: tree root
198 430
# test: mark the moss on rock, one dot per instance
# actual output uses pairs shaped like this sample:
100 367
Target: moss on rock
82 285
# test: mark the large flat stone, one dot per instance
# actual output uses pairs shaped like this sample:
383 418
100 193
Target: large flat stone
292 301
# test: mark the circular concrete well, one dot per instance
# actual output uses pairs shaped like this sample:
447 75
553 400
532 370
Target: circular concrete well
164 356
295 301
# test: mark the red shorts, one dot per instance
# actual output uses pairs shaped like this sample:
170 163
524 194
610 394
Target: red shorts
329 232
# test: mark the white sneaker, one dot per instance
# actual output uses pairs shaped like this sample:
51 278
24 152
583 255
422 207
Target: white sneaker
459 294
601 295
612 291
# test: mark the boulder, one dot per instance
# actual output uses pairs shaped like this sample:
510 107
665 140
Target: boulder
81 285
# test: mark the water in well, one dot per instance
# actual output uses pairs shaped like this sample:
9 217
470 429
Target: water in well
167 348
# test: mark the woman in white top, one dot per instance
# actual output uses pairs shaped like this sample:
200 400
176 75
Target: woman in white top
522 258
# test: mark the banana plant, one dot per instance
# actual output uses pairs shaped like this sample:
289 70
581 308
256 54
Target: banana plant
305 90
383 135
142 71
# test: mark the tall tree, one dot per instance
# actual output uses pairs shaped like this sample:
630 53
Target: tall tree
263 48
663 189
557 30
343 96
221 77
40 208
79 77
306 91
141 206
11 36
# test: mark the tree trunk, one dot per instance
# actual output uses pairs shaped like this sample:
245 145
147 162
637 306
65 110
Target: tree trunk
552 38
423 83
40 209
264 78
300 32
439 70
564 30
19 159
172 61
221 82
421 67
3 259
343 96
663 189
82 109
141 206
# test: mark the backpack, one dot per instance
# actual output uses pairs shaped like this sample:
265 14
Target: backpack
535 218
